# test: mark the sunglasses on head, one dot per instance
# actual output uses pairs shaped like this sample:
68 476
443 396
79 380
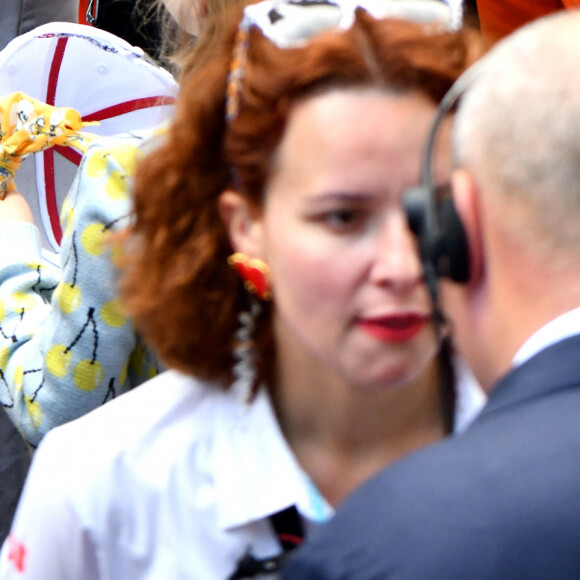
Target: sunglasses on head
292 23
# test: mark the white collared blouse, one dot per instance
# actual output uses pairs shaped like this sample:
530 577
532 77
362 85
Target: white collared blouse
174 480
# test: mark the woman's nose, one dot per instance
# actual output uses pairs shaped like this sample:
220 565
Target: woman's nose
397 263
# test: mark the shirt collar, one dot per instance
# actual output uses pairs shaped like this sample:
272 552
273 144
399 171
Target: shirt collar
470 398
564 326
256 472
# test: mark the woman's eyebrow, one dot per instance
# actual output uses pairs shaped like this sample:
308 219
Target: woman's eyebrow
358 197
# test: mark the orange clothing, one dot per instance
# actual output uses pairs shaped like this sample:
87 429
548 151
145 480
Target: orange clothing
500 17
83 7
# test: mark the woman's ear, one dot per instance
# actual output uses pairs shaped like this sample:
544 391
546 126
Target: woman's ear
243 223
466 200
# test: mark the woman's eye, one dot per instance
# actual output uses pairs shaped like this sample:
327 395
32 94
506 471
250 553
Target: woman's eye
341 218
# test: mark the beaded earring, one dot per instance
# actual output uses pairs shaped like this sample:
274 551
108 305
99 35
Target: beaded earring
245 354
255 274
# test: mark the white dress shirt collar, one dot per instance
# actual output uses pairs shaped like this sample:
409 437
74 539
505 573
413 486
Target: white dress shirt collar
564 326
256 473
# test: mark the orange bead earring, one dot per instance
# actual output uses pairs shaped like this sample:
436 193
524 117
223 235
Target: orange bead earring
254 272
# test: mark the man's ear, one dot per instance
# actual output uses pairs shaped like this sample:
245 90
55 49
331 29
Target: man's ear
466 199
243 223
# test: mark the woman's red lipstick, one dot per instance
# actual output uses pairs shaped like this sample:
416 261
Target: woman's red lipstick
394 328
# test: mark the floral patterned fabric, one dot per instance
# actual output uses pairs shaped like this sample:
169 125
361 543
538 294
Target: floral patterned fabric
28 126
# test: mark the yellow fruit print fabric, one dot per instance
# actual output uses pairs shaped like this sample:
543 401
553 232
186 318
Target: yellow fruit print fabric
66 346
28 126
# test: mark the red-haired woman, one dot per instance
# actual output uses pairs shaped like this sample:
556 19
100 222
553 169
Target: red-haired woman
270 265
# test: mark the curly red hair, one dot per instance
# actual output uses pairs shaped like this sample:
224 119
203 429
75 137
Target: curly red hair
177 284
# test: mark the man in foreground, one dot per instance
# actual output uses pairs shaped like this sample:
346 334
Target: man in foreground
502 500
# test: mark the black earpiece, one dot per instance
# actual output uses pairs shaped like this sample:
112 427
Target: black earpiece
442 240
430 210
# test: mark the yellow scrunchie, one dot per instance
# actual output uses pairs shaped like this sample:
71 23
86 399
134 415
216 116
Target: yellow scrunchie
28 126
